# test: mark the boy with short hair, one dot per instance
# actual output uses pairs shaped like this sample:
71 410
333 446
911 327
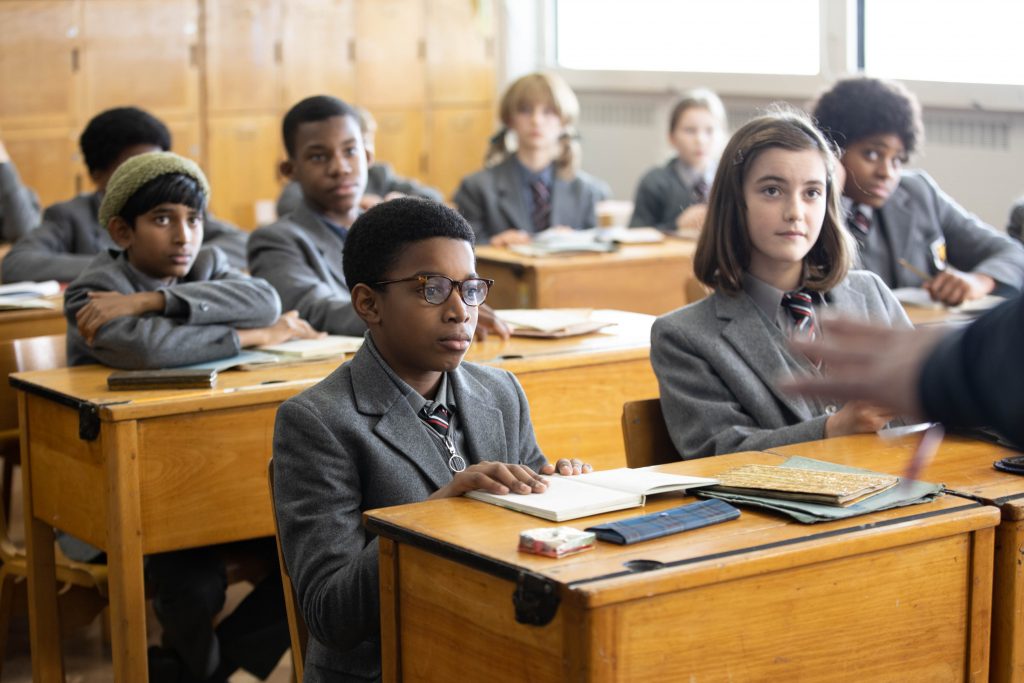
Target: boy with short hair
898 214
301 253
162 301
382 182
403 421
70 235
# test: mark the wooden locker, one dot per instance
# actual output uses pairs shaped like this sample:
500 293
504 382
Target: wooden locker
389 53
460 68
141 53
243 154
243 55
458 143
48 161
399 140
317 50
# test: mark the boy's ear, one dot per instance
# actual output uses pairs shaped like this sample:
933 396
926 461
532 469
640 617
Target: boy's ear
286 168
369 157
365 301
121 232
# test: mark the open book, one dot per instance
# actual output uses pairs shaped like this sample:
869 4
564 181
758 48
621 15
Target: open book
919 297
592 494
814 486
327 347
550 323
22 295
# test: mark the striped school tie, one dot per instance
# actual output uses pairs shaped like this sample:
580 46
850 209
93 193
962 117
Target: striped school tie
800 305
541 216
700 191
438 420
859 221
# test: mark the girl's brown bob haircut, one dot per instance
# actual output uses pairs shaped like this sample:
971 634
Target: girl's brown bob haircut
723 250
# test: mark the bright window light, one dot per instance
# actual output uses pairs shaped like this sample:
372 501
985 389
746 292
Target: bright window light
945 40
723 36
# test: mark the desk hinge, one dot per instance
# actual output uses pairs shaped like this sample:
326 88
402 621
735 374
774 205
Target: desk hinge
536 599
88 421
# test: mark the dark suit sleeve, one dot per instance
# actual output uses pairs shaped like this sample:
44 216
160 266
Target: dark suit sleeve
972 245
390 182
649 203
228 239
45 253
278 257
331 559
471 201
19 206
974 376
1015 227
703 416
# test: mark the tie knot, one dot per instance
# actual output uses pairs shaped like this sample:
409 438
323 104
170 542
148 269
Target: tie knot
437 417
800 305
859 219
700 191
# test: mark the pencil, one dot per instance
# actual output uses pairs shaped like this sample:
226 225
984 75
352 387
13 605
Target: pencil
914 269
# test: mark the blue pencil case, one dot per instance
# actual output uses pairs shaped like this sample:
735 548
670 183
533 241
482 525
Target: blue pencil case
666 522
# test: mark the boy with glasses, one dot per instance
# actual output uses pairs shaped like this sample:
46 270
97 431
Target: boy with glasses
403 421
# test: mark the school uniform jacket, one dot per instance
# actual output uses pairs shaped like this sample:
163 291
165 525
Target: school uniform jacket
301 257
354 443
198 321
718 362
19 206
492 200
70 235
660 197
919 215
381 180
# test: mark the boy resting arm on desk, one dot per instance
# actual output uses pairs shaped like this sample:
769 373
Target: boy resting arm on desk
403 421
163 301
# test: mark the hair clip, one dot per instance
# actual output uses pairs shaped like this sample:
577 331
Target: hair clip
739 157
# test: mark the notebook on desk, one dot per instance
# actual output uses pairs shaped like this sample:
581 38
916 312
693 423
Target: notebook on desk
551 323
172 378
584 495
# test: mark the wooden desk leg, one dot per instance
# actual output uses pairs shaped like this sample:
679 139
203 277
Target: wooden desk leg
1008 603
390 648
44 621
124 552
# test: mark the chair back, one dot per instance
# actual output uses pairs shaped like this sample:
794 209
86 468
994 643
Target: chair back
296 624
21 355
645 435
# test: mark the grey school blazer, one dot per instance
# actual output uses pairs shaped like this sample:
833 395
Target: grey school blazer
718 362
492 200
660 197
197 324
919 214
353 443
301 258
70 235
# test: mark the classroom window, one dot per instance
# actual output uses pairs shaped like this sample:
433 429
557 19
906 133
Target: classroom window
726 36
944 40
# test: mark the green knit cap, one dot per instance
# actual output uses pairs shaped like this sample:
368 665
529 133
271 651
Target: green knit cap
139 170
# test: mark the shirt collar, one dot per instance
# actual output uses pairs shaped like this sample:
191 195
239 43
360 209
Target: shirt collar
848 205
444 395
691 176
339 230
767 297
148 283
546 175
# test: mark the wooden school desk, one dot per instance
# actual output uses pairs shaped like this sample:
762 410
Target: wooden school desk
136 472
33 322
648 278
964 466
897 595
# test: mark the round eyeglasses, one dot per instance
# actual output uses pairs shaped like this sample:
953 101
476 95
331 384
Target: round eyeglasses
437 288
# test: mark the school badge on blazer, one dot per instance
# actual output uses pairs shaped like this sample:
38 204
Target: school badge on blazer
938 250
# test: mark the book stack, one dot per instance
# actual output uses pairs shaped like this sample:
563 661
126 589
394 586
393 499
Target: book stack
813 486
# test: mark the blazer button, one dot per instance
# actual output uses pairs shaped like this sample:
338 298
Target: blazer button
204 307
830 409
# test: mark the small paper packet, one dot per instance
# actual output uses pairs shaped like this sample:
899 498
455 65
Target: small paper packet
556 541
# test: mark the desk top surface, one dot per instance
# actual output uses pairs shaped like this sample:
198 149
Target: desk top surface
962 464
629 339
479 533
671 248
23 314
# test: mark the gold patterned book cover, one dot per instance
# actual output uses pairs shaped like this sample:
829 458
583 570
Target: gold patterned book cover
814 486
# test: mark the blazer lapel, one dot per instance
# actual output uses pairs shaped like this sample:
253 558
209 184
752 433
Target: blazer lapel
327 243
510 195
399 426
485 428
763 348
564 210
899 223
